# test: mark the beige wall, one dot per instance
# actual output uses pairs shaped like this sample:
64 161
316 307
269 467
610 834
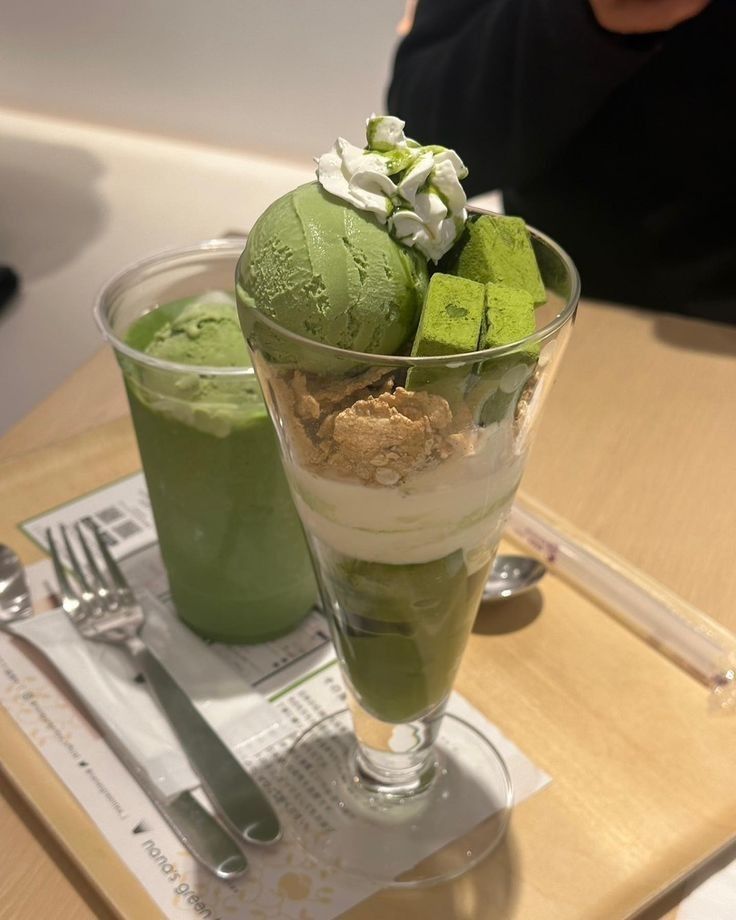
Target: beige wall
272 76
279 78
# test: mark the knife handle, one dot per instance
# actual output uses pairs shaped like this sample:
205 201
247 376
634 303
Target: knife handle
236 797
202 835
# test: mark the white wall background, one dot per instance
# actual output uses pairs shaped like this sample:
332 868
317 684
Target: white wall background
130 126
271 76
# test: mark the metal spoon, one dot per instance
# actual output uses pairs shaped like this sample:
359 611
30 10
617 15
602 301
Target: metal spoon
15 596
512 575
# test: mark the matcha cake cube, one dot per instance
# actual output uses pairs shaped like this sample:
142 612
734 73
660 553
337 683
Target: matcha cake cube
509 317
451 317
496 248
450 324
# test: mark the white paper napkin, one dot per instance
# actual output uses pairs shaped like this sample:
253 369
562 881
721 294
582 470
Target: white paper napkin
104 677
715 896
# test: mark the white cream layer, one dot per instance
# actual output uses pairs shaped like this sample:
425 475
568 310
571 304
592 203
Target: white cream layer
459 505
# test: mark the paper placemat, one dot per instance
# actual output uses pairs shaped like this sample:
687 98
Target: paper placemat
284 687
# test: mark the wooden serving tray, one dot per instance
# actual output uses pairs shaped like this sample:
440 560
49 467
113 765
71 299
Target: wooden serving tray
642 768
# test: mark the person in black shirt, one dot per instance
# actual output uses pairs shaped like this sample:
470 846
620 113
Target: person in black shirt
608 124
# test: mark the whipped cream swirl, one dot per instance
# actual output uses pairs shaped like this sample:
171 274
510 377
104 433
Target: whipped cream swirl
412 189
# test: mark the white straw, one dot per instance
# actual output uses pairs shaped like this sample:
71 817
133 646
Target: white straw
686 635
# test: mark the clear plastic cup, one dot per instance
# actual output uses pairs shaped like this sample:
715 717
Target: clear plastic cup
233 547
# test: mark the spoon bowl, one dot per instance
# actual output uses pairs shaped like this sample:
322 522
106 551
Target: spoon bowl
512 575
15 597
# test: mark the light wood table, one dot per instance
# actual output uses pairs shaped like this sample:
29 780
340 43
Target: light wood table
638 447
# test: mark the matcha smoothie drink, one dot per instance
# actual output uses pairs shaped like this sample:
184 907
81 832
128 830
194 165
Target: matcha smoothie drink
230 538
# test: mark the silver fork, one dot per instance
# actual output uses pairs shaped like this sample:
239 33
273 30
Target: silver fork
103 608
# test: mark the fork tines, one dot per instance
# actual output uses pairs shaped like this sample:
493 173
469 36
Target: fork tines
96 596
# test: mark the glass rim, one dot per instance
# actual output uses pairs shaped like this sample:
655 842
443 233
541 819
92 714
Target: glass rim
236 246
123 277
407 361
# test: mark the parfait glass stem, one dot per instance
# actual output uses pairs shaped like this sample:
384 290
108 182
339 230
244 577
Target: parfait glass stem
394 759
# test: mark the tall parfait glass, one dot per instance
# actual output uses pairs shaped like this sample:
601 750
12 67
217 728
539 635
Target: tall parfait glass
403 471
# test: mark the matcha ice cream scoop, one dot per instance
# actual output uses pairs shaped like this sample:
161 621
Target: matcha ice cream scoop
202 330
323 269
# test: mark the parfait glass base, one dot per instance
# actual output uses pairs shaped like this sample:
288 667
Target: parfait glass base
405 838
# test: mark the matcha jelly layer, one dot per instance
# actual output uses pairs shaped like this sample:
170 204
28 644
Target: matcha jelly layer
400 630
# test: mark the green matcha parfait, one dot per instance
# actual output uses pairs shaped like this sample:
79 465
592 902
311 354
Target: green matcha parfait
404 348
229 535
